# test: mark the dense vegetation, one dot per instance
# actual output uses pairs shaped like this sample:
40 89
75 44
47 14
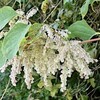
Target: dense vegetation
42 42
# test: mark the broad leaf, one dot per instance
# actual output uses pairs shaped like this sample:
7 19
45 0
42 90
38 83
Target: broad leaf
13 39
84 8
2 58
6 14
81 30
34 33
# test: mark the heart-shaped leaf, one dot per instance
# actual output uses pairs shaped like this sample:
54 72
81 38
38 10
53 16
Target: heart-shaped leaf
6 14
81 30
13 39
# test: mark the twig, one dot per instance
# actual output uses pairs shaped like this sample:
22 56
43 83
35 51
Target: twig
8 2
52 11
88 41
5 89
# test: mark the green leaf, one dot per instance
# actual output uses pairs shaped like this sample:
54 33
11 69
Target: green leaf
69 94
49 86
54 90
6 14
2 58
34 29
81 30
13 39
34 33
40 84
84 8
92 82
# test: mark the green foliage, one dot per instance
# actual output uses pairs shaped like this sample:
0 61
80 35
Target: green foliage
2 57
65 15
92 82
13 39
85 7
81 30
6 14
34 33
11 42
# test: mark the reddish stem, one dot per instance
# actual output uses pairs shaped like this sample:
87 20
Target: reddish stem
88 41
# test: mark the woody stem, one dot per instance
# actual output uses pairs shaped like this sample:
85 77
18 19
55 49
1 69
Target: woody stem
88 41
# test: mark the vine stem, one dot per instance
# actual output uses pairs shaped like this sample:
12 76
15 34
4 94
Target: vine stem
88 41
52 11
5 90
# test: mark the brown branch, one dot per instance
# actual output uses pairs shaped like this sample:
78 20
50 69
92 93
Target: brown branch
88 41
52 11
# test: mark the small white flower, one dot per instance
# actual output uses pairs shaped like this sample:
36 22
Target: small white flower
31 12
20 12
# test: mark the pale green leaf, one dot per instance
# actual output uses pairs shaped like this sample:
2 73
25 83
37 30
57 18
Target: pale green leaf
68 94
13 39
6 14
84 8
92 82
81 30
2 58
40 84
54 90
34 33
49 86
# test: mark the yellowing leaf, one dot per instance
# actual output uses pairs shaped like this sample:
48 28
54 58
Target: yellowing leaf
44 6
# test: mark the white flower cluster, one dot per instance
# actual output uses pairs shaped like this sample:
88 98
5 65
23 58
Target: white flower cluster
16 67
22 17
31 12
48 54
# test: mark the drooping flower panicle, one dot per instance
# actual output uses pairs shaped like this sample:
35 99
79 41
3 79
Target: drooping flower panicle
47 55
